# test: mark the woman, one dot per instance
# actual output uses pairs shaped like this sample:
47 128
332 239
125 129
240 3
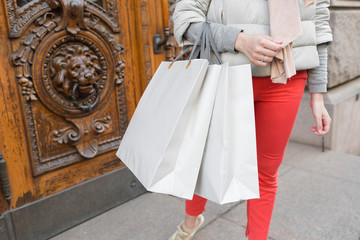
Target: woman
280 67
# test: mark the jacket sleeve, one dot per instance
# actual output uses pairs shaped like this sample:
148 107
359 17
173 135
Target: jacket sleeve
224 36
317 77
189 15
187 12
322 16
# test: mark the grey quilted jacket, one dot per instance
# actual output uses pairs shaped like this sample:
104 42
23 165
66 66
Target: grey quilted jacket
252 17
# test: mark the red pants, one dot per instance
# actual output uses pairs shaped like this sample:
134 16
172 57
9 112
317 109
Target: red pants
276 107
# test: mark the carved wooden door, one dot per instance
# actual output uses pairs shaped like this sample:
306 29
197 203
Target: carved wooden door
71 74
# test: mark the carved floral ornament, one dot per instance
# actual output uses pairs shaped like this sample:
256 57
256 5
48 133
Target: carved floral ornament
23 13
70 62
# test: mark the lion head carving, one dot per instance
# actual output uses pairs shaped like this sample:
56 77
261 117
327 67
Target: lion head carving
75 64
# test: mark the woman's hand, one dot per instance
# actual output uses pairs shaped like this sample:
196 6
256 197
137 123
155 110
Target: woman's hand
322 118
260 49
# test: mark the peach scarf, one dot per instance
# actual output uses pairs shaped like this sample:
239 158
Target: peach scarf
285 25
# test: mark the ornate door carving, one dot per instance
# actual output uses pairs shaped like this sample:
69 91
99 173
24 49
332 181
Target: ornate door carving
71 72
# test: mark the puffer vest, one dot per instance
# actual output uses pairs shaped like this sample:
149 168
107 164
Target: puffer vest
252 16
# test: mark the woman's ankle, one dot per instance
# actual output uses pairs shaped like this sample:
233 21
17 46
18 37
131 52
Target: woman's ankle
189 222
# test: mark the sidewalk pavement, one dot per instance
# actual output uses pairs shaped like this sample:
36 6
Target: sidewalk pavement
318 199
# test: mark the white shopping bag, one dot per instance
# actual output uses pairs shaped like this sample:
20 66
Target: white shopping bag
165 140
228 171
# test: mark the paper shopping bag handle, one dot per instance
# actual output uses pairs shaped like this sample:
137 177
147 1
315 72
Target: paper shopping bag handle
204 44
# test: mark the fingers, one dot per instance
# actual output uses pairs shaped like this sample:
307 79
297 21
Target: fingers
319 125
260 49
326 124
323 128
260 59
263 58
268 52
271 44
265 50
315 131
260 63
274 40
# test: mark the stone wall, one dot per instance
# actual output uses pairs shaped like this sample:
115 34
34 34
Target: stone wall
344 51
342 99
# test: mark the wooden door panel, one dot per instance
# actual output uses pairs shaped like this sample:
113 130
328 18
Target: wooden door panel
74 174
150 21
71 74
12 131
59 126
